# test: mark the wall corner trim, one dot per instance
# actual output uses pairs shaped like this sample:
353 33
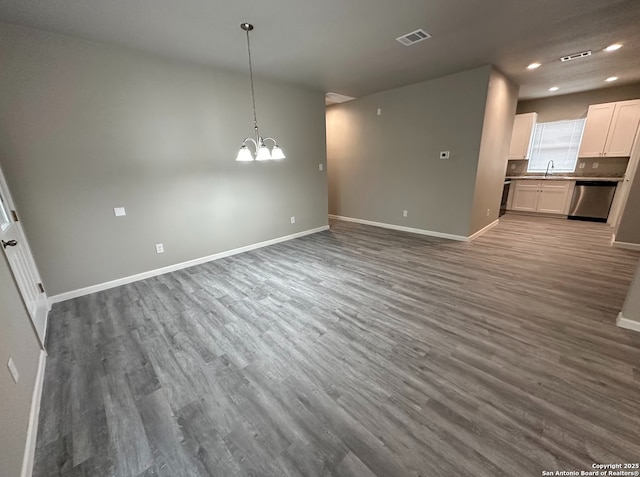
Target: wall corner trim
626 245
34 413
483 230
178 266
460 238
627 324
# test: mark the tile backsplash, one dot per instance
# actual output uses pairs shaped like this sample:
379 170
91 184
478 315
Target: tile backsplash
607 166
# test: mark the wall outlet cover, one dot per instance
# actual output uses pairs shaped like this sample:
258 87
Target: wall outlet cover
595 165
293 220
405 213
513 166
444 154
159 248
581 166
379 112
321 167
119 211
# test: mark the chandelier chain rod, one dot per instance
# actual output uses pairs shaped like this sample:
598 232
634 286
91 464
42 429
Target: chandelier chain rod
253 94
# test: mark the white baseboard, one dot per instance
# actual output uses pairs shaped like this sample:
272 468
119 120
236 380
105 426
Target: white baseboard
627 324
178 266
32 430
460 238
626 245
483 230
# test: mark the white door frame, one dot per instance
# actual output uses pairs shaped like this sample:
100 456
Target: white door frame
37 304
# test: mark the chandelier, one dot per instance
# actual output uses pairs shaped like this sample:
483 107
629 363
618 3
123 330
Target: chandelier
260 150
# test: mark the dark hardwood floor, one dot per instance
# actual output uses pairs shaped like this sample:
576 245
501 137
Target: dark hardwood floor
354 352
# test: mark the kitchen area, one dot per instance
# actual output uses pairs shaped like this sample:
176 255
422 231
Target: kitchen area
574 169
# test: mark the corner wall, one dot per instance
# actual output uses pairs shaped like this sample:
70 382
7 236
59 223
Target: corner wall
502 99
380 165
86 127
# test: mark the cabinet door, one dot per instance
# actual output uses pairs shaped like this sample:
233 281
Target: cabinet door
622 131
521 136
525 196
596 129
553 197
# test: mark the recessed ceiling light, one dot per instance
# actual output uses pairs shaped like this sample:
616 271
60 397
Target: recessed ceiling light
611 78
614 47
554 88
533 66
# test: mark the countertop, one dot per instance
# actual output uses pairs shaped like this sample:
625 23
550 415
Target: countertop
558 177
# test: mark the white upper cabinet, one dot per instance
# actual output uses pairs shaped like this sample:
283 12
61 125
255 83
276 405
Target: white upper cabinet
521 135
624 125
610 129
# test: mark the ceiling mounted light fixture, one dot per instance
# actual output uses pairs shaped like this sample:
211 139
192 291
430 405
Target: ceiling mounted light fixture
614 47
611 78
261 151
533 66
554 88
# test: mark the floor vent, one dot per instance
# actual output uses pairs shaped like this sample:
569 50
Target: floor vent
413 37
576 56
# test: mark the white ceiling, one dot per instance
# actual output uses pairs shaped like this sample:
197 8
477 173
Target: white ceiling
349 47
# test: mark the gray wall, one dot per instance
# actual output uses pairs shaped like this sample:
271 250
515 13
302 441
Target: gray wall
629 226
631 309
87 127
575 106
17 340
502 98
381 165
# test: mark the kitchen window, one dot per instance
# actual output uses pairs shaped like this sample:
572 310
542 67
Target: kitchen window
559 142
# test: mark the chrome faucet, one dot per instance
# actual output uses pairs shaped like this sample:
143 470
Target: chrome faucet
550 163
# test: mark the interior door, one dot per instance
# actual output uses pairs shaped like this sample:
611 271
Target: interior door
16 249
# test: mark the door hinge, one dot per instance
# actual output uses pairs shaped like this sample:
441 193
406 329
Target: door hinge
41 287
15 216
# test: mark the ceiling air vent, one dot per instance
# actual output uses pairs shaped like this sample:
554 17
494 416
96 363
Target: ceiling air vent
413 37
576 56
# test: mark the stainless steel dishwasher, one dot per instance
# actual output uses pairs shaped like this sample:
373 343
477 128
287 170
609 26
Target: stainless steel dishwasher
592 200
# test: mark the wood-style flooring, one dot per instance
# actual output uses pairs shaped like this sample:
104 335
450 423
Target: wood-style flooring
358 351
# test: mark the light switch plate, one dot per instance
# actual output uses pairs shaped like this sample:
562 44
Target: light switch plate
595 165
159 248
321 167
581 166
119 211
293 220
379 111
405 213
444 154
13 370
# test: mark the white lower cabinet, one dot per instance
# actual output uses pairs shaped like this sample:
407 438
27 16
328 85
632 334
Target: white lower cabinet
544 196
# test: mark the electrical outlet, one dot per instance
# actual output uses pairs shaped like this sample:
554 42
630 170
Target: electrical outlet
119 211
405 213
159 248
513 166
444 154
13 370
321 167
595 165
581 166
379 111
488 212
293 220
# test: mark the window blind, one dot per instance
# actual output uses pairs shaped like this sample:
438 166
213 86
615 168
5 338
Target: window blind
558 142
